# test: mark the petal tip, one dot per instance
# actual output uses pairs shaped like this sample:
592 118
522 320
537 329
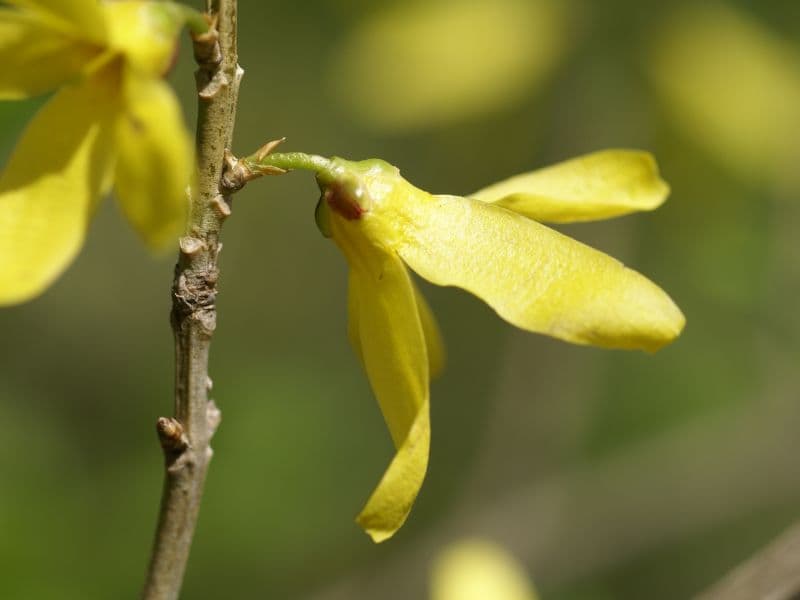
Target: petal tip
654 189
661 189
377 534
14 297
673 323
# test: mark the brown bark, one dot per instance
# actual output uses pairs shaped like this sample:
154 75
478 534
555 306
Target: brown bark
185 437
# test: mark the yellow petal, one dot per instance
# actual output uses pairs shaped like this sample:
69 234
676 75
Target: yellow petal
354 315
533 276
155 161
50 186
145 32
36 56
387 334
596 186
479 570
423 64
732 85
80 16
389 505
392 346
434 343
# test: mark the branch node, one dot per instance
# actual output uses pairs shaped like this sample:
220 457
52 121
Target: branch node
172 436
213 416
193 299
190 245
221 206
207 51
209 86
208 322
235 174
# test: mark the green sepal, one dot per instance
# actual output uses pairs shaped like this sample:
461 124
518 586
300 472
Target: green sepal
322 217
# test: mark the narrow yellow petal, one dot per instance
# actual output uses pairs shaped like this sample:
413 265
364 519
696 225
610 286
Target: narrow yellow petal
81 16
434 343
389 505
353 315
479 570
155 160
596 186
37 57
392 344
387 335
533 276
50 186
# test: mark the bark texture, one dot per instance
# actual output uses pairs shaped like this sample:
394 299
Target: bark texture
185 437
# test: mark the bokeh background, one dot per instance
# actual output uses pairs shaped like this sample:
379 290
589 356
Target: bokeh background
609 475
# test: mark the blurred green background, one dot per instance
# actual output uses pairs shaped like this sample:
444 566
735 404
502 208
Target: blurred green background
609 475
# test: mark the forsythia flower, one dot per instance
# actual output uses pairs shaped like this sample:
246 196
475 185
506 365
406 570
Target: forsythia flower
112 122
477 569
706 51
488 244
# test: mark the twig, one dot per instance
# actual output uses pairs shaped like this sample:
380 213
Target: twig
772 574
185 438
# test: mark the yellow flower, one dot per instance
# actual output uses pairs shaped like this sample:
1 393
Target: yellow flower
477 569
417 65
733 86
488 244
112 122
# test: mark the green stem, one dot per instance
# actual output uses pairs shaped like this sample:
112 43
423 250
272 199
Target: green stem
289 161
195 21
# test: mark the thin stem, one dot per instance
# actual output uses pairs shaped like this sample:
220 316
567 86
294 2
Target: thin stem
773 572
185 437
196 21
289 161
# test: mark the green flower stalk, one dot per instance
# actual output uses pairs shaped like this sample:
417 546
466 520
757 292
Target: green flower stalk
491 245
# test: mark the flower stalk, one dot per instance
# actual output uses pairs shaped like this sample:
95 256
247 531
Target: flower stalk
259 164
185 438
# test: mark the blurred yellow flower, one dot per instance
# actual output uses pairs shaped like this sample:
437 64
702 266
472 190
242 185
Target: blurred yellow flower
489 244
112 122
733 86
421 64
479 570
